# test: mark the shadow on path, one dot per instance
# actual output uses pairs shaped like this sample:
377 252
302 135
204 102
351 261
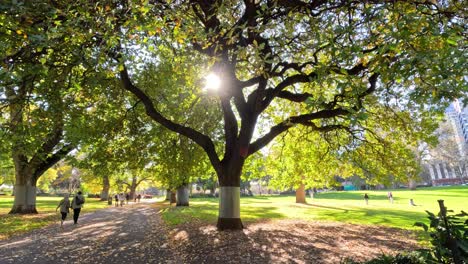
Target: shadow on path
288 241
129 234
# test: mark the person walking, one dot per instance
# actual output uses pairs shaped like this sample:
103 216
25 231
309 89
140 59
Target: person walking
127 197
64 206
121 199
139 197
77 204
366 198
116 197
390 197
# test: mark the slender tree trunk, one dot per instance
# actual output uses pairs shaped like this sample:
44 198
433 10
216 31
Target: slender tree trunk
168 195
300 194
133 188
412 184
173 197
105 188
183 195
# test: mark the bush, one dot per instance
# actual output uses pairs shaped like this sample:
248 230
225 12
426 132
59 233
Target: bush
449 236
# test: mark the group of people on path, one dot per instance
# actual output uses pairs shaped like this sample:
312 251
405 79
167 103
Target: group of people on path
76 204
120 198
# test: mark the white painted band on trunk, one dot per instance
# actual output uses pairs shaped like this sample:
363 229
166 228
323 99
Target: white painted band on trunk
229 202
25 195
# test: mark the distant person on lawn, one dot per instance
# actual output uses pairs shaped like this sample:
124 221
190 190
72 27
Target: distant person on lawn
366 198
139 197
64 206
390 197
77 204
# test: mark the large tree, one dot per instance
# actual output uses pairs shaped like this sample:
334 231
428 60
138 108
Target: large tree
47 100
333 59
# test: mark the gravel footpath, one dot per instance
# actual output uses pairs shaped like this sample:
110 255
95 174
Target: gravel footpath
130 234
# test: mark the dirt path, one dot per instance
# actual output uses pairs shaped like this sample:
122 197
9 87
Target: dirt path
288 241
129 234
136 234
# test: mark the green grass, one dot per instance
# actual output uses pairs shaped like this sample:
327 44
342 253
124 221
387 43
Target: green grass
17 224
333 206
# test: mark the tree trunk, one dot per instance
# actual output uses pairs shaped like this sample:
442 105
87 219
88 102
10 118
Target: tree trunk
229 208
25 195
182 196
168 195
133 188
173 197
105 188
229 196
300 194
412 184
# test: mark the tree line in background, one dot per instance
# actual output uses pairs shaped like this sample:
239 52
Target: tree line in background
309 90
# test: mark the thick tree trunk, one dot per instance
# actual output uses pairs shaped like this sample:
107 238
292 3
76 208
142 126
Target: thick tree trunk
229 196
25 187
182 196
105 188
173 197
300 194
229 208
25 197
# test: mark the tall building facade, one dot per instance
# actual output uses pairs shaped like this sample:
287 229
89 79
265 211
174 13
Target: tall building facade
443 172
458 116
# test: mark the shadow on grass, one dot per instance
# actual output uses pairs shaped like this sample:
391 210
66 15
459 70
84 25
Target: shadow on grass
208 212
329 207
350 196
403 219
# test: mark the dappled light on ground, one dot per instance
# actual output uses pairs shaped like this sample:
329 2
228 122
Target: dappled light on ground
289 241
114 235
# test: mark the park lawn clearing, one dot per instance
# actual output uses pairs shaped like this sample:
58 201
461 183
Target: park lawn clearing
18 224
347 207
330 228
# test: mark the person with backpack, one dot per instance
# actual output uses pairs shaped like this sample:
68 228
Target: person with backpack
77 204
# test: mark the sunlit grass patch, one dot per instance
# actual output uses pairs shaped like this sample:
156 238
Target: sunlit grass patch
346 207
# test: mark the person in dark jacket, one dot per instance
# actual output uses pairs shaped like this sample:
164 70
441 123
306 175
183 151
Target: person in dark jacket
77 204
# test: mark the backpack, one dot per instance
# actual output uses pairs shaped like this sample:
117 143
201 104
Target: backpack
79 201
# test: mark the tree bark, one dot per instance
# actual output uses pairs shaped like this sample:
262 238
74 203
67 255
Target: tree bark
300 194
25 193
105 188
133 188
168 195
229 195
412 184
182 196
173 197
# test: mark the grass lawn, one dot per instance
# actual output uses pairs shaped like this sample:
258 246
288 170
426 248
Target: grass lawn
333 206
17 224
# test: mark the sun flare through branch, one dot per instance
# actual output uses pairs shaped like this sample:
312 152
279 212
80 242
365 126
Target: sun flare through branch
212 82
